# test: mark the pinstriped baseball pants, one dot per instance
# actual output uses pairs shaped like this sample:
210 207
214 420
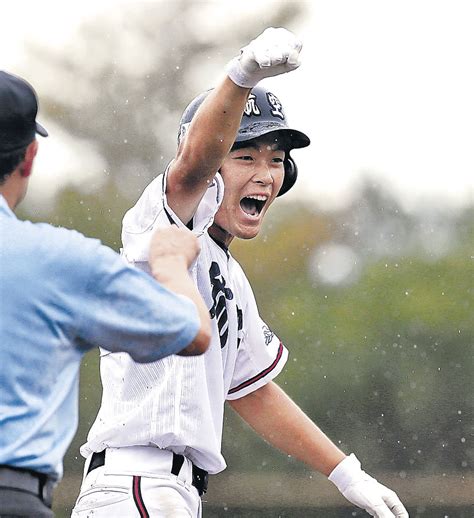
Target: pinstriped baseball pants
127 496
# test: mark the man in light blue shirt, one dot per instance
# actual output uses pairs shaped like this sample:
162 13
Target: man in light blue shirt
62 294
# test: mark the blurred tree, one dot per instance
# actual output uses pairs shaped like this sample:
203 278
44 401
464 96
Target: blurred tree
123 83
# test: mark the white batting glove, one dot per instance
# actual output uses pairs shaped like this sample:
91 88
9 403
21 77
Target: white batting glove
274 52
364 491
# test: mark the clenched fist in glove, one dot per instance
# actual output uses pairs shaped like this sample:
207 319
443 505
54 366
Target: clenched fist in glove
274 52
364 491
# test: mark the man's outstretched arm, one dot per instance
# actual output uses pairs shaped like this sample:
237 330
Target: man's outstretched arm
272 414
214 127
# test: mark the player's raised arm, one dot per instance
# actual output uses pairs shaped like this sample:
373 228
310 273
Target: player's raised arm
212 131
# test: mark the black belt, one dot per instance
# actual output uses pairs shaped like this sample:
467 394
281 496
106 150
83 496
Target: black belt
200 476
29 481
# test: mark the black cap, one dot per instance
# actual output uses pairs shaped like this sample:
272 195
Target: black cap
18 109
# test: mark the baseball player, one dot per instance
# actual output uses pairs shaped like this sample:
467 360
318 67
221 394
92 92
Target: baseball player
158 432
60 295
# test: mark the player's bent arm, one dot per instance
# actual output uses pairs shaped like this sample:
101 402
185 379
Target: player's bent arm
201 153
284 425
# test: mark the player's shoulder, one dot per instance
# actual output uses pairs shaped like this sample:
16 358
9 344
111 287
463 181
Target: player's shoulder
142 216
238 276
237 268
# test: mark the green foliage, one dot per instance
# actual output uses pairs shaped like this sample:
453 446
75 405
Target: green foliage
384 364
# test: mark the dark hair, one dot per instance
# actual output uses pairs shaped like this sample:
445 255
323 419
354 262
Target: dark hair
9 162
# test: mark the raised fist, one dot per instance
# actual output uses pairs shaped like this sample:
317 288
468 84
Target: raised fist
274 52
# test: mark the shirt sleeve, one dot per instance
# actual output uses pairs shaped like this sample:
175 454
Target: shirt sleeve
261 354
125 309
152 211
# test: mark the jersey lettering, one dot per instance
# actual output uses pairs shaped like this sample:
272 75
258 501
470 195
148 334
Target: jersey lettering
240 325
219 296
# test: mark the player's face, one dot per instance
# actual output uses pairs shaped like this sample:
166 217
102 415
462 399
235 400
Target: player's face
252 176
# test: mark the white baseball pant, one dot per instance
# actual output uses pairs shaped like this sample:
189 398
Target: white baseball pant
136 482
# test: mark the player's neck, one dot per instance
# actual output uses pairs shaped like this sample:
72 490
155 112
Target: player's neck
220 235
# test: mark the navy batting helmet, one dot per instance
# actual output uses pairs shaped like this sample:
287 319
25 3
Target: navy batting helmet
263 114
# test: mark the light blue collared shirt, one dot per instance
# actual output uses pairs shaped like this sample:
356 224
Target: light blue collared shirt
60 295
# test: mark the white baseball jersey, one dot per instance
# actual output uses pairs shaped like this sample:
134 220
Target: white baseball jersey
178 403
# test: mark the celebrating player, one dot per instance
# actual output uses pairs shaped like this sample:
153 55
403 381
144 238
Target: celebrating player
62 294
158 431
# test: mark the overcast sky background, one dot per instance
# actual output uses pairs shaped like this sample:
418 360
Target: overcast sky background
385 89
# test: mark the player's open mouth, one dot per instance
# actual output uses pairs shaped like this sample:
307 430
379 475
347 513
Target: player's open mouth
253 205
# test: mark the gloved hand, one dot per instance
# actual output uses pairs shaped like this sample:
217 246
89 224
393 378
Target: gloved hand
274 52
364 491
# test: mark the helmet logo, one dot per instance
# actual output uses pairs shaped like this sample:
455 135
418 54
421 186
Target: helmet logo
276 106
251 107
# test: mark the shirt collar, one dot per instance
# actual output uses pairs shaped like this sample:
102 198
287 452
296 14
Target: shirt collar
4 208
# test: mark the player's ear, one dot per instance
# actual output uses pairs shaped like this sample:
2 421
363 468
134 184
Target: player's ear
30 154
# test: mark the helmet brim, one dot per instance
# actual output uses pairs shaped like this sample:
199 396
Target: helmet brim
293 138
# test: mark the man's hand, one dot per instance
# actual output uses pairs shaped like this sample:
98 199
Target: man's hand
170 247
274 52
364 491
